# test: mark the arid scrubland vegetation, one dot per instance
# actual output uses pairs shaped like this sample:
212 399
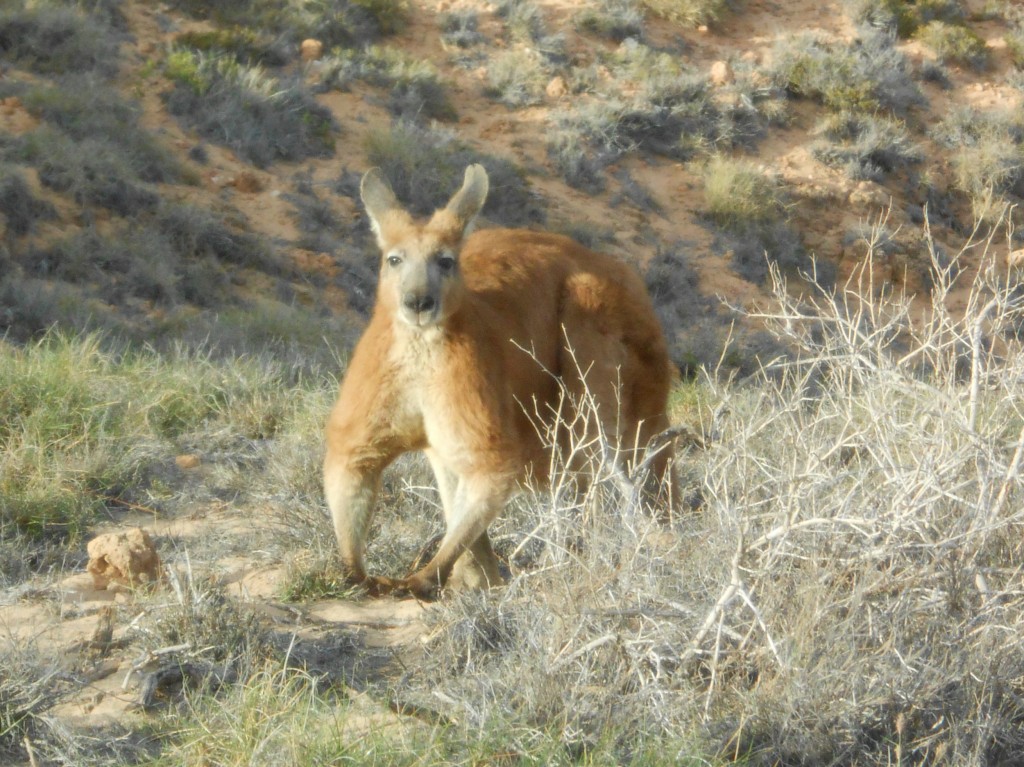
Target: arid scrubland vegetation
821 198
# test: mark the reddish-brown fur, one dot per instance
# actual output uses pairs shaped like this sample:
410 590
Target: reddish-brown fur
441 367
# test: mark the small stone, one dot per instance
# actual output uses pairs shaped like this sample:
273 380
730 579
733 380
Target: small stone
128 558
187 461
311 49
721 73
556 88
247 183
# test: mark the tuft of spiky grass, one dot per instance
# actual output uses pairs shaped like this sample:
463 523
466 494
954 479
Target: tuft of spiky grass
904 18
690 12
460 28
865 76
56 38
19 207
262 118
415 91
738 196
516 79
987 156
83 428
955 43
748 207
656 104
866 146
30 684
614 19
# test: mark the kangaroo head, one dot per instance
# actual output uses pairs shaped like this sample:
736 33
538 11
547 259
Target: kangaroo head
420 281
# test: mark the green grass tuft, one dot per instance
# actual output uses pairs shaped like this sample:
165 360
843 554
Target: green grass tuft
244 108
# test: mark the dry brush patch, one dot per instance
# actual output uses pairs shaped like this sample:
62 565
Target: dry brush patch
848 592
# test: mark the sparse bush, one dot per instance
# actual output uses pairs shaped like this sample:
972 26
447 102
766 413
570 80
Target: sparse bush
866 76
57 39
415 91
460 28
740 197
523 18
614 19
866 146
425 165
987 155
570 154
246 45
196 234
333 22
243 108
85 110
673 285
952 42
659 106
748 208
91 172
30 685
903 17
516 79
19 207
691 12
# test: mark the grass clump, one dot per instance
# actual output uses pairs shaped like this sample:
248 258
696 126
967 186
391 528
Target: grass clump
460 28
82 428
748 208
334 22
614 19
242 107
690 12
955 43
92 172
84 110
987 156
866 146
245 45
516 78
415 90
655 105
29 686
866 76
425 165
20 209
738 196
904 17
56 38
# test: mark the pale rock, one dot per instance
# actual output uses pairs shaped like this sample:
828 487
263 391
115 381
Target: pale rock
721 73
556 88
311 49
127 558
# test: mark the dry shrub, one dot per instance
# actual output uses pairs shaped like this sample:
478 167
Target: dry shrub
849 592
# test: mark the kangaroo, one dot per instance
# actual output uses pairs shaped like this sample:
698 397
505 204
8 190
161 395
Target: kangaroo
468 330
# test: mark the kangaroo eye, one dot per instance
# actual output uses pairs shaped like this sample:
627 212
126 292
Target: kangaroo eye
446 262
394 260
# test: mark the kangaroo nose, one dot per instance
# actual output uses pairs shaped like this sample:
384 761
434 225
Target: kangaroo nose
417 303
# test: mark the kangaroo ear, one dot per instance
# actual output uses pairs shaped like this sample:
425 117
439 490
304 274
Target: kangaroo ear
378 199
468 201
